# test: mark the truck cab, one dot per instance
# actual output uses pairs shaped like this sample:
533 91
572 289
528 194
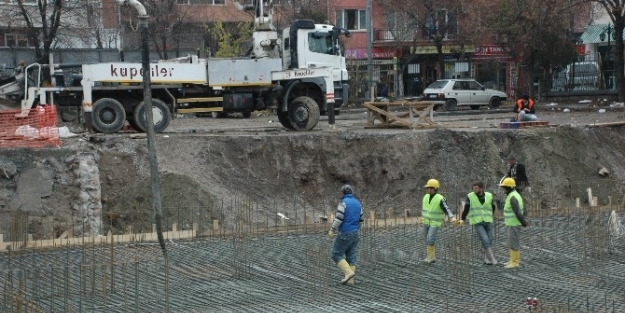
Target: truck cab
306 45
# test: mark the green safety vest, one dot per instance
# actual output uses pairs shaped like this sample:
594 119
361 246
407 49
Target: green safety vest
509 219
480 212
432 213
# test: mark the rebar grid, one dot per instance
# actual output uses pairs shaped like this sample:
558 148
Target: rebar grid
567 262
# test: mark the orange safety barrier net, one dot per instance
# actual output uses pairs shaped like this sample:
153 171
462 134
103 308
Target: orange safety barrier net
38 129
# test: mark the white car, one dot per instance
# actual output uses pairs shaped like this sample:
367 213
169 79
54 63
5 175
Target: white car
454 92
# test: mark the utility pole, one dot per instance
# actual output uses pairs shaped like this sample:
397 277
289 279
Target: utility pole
370 49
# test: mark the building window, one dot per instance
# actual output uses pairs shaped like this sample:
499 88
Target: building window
13 39
440 23
352 19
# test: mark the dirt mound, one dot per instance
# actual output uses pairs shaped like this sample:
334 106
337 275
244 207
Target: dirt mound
181 200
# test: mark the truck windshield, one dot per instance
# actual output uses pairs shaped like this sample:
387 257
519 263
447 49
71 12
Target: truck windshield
321 44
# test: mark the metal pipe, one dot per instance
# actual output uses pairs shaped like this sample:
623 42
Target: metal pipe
149 127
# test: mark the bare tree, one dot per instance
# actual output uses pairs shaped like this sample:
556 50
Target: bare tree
42 22
536 33
437 21
286 11
616 11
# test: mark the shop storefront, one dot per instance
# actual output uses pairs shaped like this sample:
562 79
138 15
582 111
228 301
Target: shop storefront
493 67
385 74
422 66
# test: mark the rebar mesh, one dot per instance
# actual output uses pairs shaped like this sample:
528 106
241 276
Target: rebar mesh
568 260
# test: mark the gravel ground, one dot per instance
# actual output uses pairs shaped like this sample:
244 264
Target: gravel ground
356 120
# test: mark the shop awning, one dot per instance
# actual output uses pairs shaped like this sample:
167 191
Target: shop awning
592 34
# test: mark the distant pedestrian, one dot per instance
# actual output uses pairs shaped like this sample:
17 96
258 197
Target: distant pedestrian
479 207
517 172
524 110
347 225
435 209
514 219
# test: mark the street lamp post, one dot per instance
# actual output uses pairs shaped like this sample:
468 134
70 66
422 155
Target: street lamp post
609 31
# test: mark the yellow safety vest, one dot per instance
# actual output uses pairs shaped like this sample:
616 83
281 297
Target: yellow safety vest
480 212
509 219
432 213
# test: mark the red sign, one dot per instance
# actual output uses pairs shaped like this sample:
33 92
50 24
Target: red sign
490 52
376 53
581 49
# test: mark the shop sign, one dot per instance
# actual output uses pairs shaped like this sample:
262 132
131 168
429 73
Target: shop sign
445 49
376 53
491 52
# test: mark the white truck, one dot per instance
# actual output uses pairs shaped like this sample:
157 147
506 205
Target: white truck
300 73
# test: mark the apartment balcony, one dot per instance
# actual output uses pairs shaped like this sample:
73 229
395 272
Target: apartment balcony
395 35
383 35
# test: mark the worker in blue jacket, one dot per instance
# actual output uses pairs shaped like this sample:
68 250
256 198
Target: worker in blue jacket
346 228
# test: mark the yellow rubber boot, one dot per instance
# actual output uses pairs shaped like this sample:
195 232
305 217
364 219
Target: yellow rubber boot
515 256
511 258
431 254
344 266
351 281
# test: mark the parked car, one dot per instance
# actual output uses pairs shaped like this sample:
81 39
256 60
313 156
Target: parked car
454 92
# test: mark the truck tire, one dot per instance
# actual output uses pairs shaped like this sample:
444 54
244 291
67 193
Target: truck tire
283 117
160 112
108 115
247 114
304 113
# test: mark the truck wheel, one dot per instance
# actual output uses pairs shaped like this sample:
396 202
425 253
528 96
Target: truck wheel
247 114
304 113
108 115
160 113
283 117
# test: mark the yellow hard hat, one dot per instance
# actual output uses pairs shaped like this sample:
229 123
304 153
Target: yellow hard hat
432 183
508 182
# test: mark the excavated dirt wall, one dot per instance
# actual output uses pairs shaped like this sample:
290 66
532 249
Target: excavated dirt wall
387 170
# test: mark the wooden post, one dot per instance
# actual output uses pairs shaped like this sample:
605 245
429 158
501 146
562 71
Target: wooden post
595 202
215 224
577 202
174 227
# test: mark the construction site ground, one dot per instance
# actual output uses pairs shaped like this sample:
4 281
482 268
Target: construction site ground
259 199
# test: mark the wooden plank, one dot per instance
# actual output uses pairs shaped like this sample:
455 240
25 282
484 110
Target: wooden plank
208 99
607 124
200 110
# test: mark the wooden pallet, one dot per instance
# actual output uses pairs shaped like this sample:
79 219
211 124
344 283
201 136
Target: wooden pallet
419 114
515 125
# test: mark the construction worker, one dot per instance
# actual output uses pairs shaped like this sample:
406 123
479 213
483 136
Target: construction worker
524 110
479 207
514 219
517 172
435 209
347 225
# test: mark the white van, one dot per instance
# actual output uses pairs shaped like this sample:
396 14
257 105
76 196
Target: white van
578 76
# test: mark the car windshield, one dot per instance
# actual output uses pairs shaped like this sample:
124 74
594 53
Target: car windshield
438 84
